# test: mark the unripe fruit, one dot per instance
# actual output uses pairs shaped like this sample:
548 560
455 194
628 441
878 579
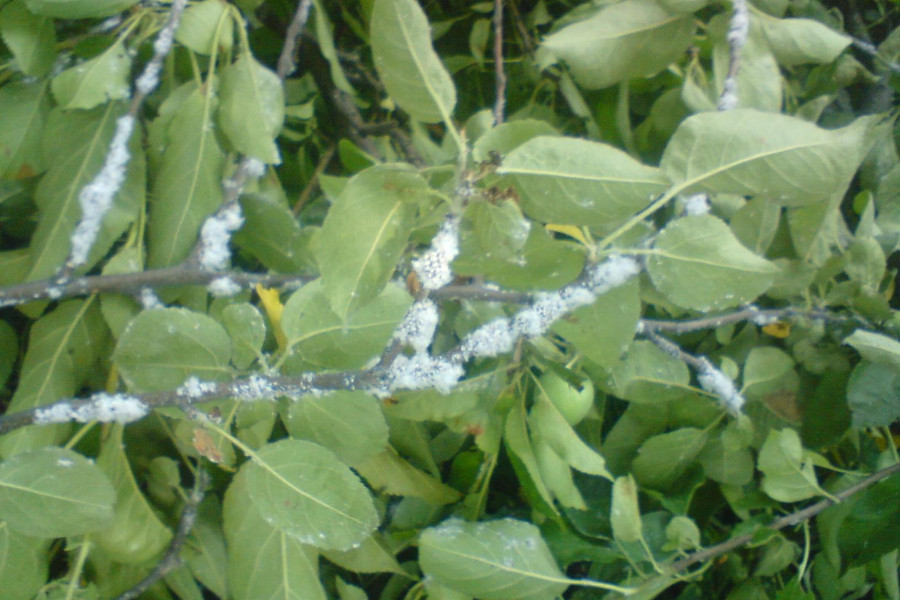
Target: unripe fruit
574 405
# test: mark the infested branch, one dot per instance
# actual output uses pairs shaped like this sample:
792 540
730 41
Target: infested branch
783 522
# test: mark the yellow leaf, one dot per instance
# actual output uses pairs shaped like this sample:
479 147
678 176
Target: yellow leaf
569 230
778 329
271 301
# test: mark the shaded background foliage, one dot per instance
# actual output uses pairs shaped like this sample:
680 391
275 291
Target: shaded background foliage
582 456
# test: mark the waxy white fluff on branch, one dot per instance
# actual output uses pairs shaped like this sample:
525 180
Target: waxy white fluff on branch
433 267
499 336
715 382
417 328
215 236
738 31
106 408
96 198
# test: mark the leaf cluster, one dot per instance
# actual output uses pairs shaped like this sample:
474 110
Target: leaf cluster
554 323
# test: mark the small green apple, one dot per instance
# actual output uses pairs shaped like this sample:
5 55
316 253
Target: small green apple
573 404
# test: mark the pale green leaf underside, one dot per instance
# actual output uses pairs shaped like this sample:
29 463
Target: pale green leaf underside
302 489
62 348
698 263
263 562
365 233
578 182
251 110
349 423
635 38
748 152
876 347
320 338
788 476
95 81
136 533
188 184
54 492
408 66
493 560
160 348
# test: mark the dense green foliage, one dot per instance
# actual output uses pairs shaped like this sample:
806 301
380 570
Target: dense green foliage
671 317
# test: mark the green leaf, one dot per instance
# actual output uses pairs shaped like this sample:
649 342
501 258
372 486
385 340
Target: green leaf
682 534
788 474
493 560
95 81
731 466
636 38
265 563
506 137
303 490
30 38
273 236
662 459
9 350
407 65
365 233
24 563
579 182
431 405
370 557
204 24
54 492
697 263
78 9
136 534
325 37
749 152
755 224
350 424
546 263
205 552
24 108
321 339
603 331
75 147
518 446
766 371
550 426
499 229
777 555
251 109
247 330
390 474
875 347
869 530
873 394
188 185
649 375
865 263
558 476
63 347
800 41
161 347
625 514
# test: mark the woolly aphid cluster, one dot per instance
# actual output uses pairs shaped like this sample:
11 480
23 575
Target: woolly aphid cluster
416 331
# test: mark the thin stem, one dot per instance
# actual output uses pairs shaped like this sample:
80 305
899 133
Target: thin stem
499 73
738 32
295 30
786 521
